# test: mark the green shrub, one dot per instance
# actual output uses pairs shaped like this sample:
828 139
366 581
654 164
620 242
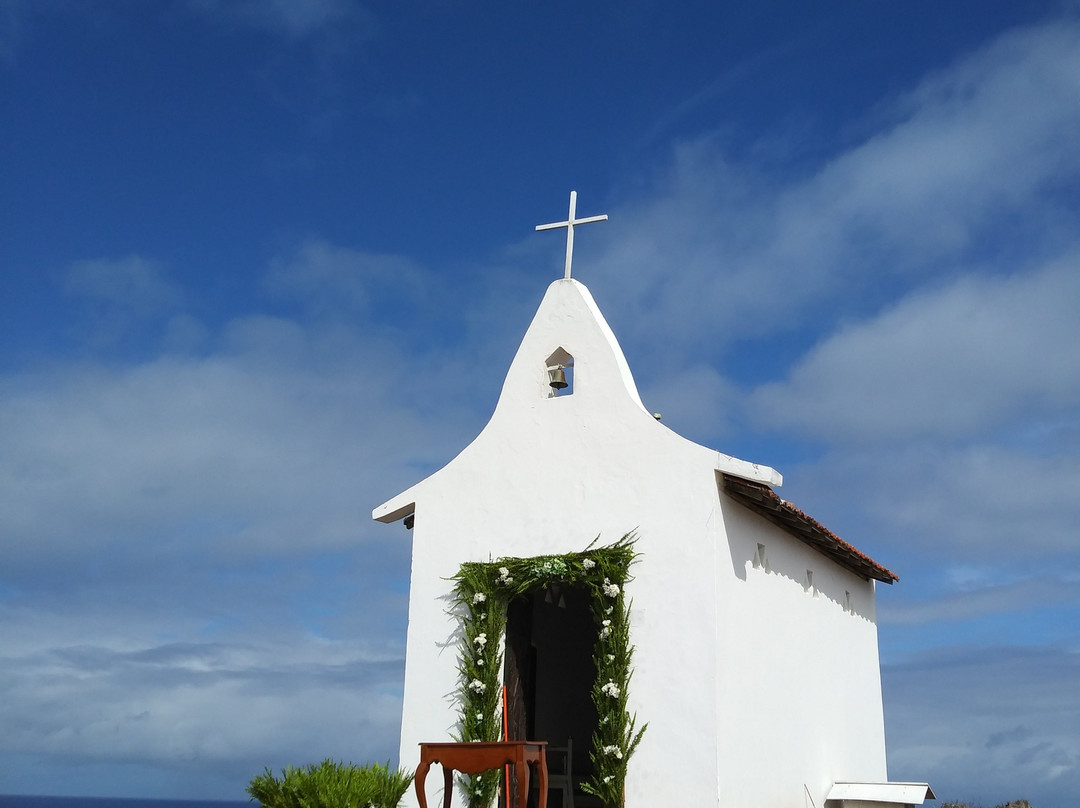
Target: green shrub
331 785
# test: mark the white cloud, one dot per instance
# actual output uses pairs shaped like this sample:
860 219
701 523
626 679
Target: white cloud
992 504
246 450
953 362
191 573
134 283
698 399
972 156
977 139
267 700
119 299
333 280
987 724
1014 597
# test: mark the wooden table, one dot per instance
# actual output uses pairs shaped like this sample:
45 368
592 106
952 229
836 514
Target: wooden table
473 758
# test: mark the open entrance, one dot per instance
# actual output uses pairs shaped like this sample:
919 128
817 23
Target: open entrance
549 676
566 613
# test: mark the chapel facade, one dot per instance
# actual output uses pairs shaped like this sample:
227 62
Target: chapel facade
756 659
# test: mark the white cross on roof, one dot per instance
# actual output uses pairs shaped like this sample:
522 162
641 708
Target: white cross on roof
569 225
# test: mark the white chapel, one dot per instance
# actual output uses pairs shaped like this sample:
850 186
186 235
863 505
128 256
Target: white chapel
755 641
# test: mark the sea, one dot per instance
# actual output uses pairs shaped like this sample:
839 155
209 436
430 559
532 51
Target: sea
15 801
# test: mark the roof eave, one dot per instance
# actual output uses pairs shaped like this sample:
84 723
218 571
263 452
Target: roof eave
763 501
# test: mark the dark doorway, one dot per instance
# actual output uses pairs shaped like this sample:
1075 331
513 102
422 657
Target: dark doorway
549 671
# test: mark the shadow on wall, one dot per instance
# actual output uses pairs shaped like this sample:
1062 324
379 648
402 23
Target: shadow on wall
760 548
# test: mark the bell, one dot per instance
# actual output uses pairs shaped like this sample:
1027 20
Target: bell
558 379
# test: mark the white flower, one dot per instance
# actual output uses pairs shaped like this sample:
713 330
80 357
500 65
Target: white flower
610 589
610 689
504 576
608 779
481 640
476 686
588 563
613 750
605 632
610 657
605 623
479 597
480 663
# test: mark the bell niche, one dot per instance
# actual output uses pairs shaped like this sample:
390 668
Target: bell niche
560 373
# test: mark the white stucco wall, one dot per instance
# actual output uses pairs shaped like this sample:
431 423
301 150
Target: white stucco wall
751 686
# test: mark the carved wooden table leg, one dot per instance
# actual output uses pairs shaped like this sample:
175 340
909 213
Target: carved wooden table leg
418 782
448 785
542 773
522 770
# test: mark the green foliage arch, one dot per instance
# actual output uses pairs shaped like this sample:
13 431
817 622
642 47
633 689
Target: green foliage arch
482 591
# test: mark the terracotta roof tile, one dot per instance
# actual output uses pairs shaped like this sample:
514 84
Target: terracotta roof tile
763 501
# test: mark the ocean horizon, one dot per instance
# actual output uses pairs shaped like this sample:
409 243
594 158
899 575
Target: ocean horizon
39 801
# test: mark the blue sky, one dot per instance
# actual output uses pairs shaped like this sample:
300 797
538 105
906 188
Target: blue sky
264 265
